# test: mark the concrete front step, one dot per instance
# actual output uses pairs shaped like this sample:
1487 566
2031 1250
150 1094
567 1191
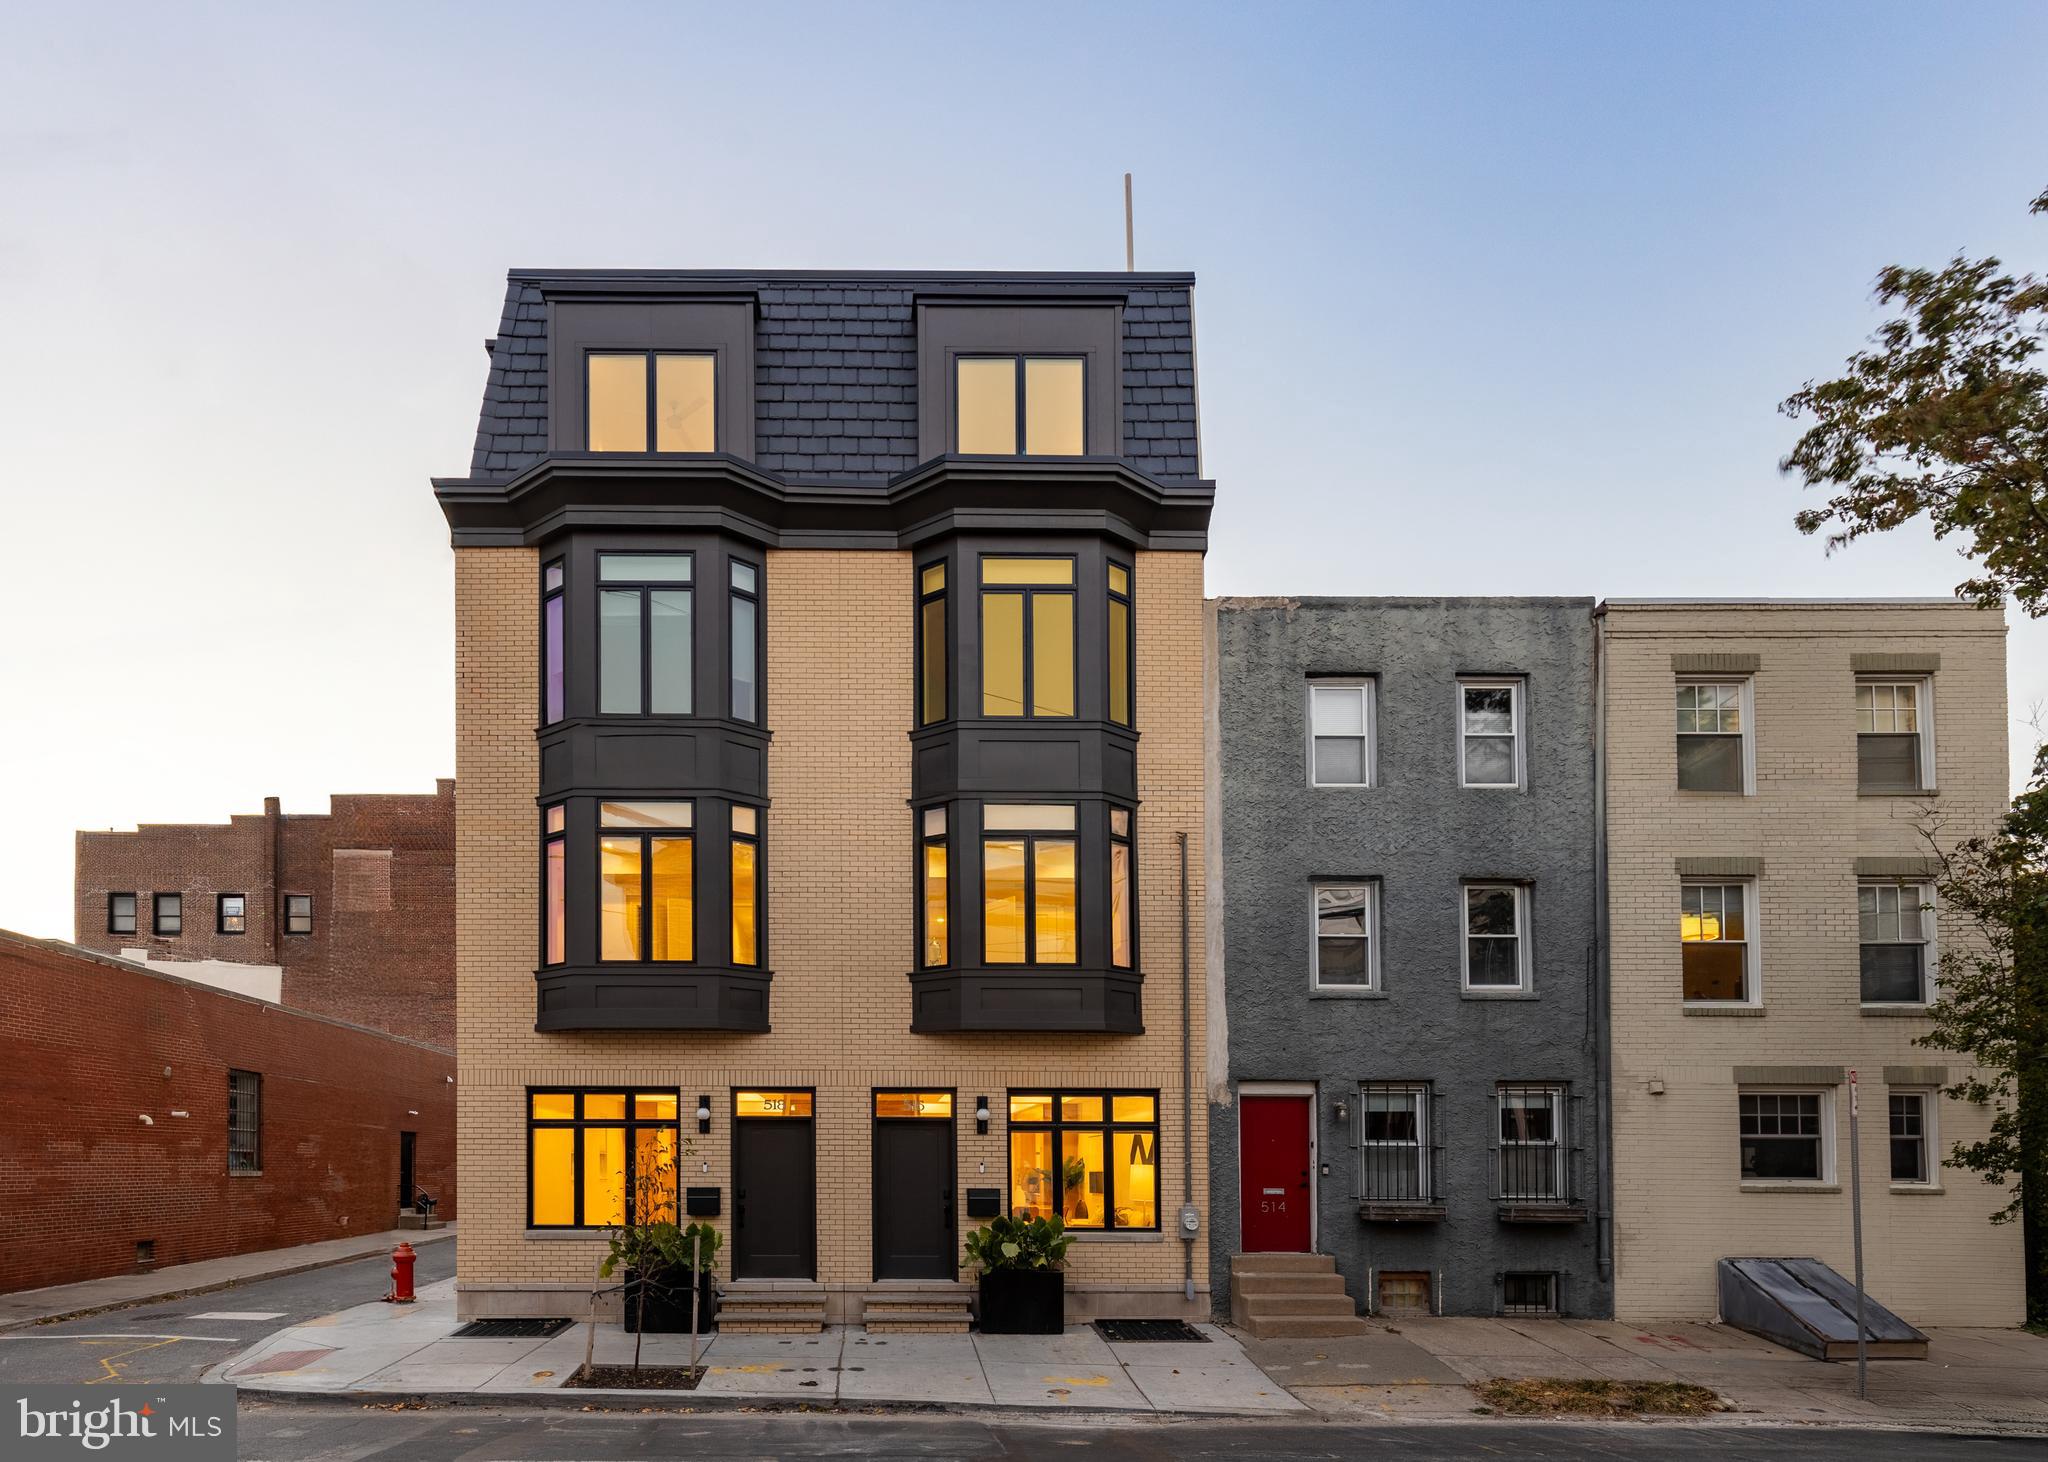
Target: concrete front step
1279 1263
410 1220
926 1320
1302 1327
771 1307
1286 1281
1262 1306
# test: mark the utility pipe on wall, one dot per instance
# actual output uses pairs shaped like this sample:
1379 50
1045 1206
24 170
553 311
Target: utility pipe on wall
1187 1087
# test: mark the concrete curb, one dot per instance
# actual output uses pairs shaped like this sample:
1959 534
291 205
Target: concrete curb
429 1236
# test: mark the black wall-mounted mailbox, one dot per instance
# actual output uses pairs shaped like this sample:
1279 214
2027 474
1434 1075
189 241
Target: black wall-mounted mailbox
984 1202
701 1202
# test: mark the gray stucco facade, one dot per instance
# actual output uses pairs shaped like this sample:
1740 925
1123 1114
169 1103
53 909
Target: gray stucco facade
1417 837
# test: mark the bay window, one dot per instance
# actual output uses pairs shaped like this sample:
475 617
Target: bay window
931 644
555 869
552 669
646 881
746 886
645 660
1029 886
1120 646
1027 636
745 608
937 939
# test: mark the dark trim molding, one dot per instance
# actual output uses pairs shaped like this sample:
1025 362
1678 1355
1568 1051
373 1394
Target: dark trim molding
948 494
1027 998
616 997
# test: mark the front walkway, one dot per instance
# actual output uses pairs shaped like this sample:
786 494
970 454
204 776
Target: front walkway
392 1350
116 1291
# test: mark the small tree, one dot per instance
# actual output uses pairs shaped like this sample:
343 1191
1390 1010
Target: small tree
653 1253
1993 1008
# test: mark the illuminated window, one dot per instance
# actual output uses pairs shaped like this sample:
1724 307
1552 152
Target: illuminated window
245 1122
645 657
928 1105
1713 722
1496 941
167 913
120 913
1893 922
771 1104
931 644
1029 908
231 914
597 1159
1008 405
555 865
1027 636
938 942
746 886
551 644
298 913
1120 887
1120 646
1490 733
629 390
1891 736
646 882
1713 932
1340 733
1091 1157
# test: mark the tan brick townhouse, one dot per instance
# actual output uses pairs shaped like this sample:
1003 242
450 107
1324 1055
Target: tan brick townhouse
829 809
1769 769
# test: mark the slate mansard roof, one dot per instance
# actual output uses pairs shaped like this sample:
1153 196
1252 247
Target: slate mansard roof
835 364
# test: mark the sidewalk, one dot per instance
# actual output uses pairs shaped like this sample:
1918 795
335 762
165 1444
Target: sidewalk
116 1291
1405 1371
388 1350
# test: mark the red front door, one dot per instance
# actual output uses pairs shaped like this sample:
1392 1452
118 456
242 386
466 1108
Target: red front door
1273 1174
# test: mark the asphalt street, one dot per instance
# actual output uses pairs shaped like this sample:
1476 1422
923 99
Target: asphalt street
178 1339
284 1433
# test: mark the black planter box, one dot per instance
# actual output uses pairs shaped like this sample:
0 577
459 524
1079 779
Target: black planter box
666 1310
1023 1301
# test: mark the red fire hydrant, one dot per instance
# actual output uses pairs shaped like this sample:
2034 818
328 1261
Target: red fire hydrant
402 1259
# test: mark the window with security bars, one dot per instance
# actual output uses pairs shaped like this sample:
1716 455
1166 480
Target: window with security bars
1891 928
1890 721
1534 1165
245 1122
1524 1293
1782 1137
1396 1159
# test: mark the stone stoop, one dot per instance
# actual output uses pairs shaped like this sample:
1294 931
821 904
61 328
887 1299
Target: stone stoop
410 1218
1290 1296
771 1307
937 1307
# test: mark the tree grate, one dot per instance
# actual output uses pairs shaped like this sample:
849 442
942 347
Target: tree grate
1127 1332
511 1329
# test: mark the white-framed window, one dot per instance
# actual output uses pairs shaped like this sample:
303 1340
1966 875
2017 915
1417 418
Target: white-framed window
1717 943
1895 941
1716 752
1496 943
1786 1136
1346 936
1340 715
1914 1160
1490 733
1394 1142
1533 1147
1894 735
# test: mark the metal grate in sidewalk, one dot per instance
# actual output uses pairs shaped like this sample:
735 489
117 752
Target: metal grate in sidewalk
511 1329
1127 1332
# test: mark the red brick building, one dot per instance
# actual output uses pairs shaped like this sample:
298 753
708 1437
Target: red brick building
357 905
154 1121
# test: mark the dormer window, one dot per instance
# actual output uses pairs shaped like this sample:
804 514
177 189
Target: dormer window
651 401
1019 405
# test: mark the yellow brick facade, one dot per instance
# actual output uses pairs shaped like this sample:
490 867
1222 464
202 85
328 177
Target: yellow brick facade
1679 1203
838 685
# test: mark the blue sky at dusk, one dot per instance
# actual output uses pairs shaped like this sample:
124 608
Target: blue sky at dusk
1493 299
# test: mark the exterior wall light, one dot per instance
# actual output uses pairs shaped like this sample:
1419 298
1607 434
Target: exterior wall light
703 1114
1342 1113
981 1115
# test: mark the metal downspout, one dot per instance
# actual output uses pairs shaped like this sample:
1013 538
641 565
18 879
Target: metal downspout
1603 1065
1187 1088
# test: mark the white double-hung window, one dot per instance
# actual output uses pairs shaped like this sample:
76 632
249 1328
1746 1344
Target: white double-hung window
1490 733
1340 733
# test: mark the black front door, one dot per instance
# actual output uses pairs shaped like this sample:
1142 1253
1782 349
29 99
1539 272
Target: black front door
914 1200
406 1170
774 1199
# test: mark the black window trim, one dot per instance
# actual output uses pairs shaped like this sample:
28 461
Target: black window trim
758 840
646 835
1129 600
1108 1126
755 597
643 587
156 915
1030 837
649 353
1128 841
547 841
134 912
253 1167
922 840
578 1123
557 594
925 597
220 914
1018 357
290 915
982 589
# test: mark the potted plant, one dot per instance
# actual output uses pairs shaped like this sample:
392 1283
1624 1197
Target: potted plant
662 1263
1023 1288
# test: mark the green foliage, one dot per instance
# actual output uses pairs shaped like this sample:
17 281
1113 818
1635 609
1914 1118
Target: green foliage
654 1249
1011 1242
1945 416
1993 1008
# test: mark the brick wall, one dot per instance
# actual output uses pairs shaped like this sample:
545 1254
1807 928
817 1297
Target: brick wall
838 685
1679 1201
88 1046
381 873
